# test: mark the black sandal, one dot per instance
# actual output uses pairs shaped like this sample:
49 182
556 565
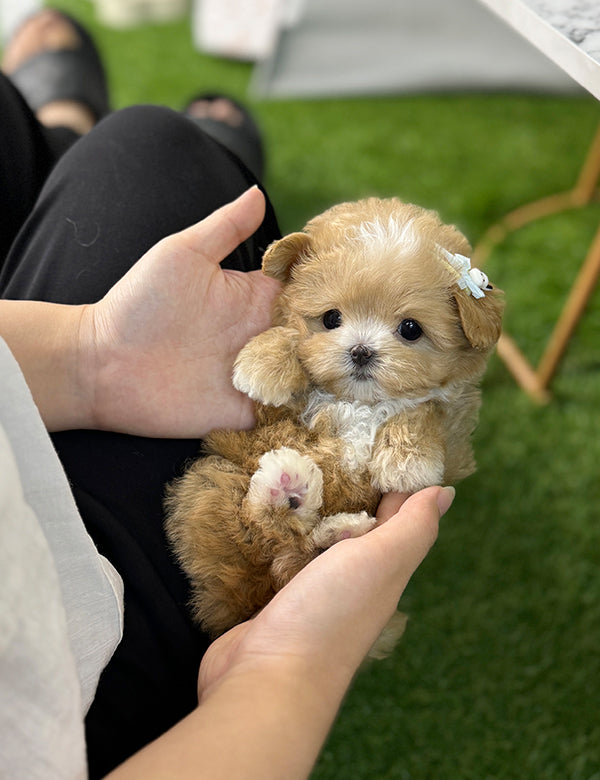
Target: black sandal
65 74
243 139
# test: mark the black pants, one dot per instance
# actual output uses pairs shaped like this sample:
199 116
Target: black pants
77 213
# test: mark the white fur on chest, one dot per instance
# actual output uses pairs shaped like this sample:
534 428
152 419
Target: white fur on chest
354 422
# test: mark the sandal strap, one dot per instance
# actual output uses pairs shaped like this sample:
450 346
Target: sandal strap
65 74
244 140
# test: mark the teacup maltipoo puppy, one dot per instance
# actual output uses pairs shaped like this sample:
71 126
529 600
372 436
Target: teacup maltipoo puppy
366 383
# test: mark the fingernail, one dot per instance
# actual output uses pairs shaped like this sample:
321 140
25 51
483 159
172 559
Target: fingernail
445 498
246 192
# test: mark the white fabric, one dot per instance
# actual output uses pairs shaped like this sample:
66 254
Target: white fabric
60 601
242 29
12 14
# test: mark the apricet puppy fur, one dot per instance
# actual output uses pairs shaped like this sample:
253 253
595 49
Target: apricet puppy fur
367 382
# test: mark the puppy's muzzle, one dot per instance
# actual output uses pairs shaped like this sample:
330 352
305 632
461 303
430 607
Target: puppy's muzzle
361 355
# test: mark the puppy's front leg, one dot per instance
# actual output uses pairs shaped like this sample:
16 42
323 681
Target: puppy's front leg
267 368
409 451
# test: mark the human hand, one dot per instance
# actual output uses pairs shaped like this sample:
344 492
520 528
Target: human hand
328 617
158 349
270 688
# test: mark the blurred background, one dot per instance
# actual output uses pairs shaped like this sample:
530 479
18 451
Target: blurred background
498 675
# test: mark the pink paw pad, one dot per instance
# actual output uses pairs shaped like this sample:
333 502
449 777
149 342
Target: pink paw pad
291 489
286 478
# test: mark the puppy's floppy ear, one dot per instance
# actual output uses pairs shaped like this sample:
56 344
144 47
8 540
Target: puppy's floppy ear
480 318
282 255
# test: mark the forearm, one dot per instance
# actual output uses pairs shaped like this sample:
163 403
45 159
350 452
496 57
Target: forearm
44 338
267 723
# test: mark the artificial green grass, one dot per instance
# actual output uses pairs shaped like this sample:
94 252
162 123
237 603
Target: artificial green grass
498 675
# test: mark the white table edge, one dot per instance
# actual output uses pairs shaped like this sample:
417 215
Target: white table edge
550 41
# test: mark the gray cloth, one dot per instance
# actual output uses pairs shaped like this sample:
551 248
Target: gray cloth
60 601
347 47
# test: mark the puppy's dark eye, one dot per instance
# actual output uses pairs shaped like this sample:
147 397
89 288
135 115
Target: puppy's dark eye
332 319
410 330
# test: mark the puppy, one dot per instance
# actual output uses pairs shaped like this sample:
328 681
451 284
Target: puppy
366 383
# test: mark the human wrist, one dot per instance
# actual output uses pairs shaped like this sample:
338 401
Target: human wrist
317 676
64 390
281 716
45 339
104 379
87 368
298 703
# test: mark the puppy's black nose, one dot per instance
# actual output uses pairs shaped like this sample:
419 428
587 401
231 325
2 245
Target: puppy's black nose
361 354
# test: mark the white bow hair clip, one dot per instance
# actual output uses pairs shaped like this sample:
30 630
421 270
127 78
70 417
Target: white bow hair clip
471 279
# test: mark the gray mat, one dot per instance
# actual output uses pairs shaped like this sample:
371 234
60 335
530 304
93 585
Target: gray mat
357 47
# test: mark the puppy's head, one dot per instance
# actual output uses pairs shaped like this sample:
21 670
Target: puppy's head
380 308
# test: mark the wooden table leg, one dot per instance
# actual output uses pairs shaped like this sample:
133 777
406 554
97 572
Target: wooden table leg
580 294
518 365
536 381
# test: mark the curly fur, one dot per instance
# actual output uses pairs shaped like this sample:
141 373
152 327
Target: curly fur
334 431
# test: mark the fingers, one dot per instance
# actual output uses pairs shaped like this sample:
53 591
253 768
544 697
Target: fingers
412 529
445 498
219 234
389 505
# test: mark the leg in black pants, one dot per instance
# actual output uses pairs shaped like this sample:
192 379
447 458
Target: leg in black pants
141 174
27 153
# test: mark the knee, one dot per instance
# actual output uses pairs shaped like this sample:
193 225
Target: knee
168 143
148 124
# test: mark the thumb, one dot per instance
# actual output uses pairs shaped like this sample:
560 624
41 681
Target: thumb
411 532
221 232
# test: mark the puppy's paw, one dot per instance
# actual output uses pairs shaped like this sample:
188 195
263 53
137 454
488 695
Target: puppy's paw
408 476
267 368
344 525
389 637
287 479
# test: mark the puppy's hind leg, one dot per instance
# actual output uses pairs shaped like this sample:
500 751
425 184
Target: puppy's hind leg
285 479
285 494
344 525
389 637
